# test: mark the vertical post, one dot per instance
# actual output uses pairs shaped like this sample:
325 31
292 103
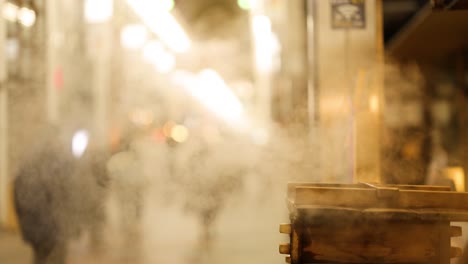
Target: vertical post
461 112
51 58
297 11
99 45
313 92
380 50
262 67
444 242
311 38
368 98
3 125
348 93
101 86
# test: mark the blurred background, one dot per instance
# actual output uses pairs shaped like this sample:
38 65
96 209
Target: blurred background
212 106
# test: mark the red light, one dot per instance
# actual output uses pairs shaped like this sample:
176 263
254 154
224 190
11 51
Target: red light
58 79
158 135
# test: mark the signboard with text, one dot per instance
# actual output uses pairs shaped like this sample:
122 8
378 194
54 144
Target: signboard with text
347 14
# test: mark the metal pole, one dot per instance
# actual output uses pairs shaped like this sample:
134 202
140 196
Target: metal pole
100 54
380 51
461 111
312 69
3 125
262 76
102 86
51 49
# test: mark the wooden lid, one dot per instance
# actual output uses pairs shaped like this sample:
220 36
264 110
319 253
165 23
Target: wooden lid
375 200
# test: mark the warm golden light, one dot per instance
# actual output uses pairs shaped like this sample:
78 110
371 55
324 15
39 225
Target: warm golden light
457 175
374 103
152 51
155 54
167 4
265 43
133 36
179 133
162 23
167 128
211 91
217 96
10 12
26 17
98 11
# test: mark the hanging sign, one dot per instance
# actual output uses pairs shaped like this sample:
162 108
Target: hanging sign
347 14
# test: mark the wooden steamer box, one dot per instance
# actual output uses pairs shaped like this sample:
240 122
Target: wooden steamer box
368 223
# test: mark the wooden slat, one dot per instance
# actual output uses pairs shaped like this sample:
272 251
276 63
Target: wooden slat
285 248
368 198
285 228
377 242
292 187
419 187
445 253
306 211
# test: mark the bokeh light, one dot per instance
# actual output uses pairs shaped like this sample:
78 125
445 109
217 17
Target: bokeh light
179 133
26 16
10 12
244 4
80 142
167 4
98 11
133 36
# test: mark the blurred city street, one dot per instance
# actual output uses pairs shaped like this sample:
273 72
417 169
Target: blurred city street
186 131
246 232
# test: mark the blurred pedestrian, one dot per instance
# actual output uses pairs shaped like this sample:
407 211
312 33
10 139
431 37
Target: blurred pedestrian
58 195
209 175
97 183
129 185
44 202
